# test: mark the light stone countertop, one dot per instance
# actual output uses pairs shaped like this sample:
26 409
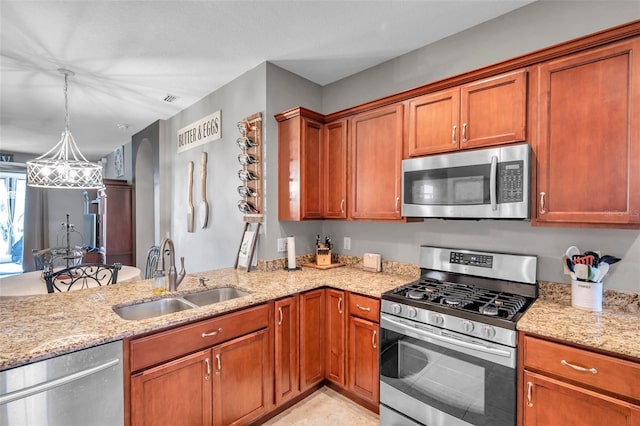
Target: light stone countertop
615 330
34 328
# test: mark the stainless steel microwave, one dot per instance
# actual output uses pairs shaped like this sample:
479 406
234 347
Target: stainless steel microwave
480 184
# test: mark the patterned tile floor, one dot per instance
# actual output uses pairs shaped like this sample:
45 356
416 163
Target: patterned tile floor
325 407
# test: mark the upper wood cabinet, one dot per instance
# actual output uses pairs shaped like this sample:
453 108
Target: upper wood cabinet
335 170
376 163
587 138
486 112
300 171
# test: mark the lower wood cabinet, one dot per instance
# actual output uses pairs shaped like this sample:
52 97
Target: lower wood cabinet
335 337
227 380
564 385
286 349
311 338
364 318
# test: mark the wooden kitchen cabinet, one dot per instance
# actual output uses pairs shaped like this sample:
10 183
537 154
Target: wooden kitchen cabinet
286 349
587 137
362 348
241 385
335 170
300 169
312 308
486 112
158 394
217 371
376 163
335 336
565 385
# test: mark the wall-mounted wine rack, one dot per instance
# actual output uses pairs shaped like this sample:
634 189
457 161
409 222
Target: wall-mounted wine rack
250 174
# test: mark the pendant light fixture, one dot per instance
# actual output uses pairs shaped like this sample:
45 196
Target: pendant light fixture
64 166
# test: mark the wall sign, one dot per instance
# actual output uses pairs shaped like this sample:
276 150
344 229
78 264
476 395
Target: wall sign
205 130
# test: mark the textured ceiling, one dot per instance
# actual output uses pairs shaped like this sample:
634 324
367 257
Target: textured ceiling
128 55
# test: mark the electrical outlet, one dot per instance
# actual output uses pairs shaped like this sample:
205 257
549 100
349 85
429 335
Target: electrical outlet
282 244
347 243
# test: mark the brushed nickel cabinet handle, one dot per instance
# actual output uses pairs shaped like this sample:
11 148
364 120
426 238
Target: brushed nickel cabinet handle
280 312
453 134
340 305
464 132
542 209
529 387
363 308
373 339
577 367
213 333
219 364
397 204
208 363
342 206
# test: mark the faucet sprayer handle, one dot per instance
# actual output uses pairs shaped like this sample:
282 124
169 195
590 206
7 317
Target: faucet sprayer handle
182 272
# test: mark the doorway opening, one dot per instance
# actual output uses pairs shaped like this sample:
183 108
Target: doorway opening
12 202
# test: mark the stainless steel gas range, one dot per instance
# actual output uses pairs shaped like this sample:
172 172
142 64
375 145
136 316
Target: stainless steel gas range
448 341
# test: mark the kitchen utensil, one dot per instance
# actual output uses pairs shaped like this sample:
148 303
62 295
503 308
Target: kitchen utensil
572 251
609 259
596 256
567 264
594 274
604 268
190 197
204 205
584 259
582 271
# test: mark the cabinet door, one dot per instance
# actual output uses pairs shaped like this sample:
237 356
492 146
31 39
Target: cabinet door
493 111
241 379
286 349
335 328
549 402
588 137
175 393
335 170
364 377
433 123
300 172
376 163
311 338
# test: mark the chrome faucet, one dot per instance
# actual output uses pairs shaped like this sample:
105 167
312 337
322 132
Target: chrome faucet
174 277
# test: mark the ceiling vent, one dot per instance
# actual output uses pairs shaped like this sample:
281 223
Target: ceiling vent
170 98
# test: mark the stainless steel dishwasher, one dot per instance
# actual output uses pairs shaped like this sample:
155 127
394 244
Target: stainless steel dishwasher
79 388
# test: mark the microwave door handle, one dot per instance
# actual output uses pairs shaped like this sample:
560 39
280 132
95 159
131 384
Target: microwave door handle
493 183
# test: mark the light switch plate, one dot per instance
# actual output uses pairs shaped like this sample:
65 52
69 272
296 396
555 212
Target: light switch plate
372 262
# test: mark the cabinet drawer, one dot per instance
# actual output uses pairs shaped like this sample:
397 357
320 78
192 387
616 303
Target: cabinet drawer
609 373
163 346
364 307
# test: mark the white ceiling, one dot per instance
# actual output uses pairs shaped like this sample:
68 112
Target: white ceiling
128 55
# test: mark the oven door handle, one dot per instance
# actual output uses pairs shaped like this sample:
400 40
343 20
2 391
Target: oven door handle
409 330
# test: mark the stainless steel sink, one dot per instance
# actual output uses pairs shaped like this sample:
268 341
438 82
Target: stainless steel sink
169 305
153 309
214 295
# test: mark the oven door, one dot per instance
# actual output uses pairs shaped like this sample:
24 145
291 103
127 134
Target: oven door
441 378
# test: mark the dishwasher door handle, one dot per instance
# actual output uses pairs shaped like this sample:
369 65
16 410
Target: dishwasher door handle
45 386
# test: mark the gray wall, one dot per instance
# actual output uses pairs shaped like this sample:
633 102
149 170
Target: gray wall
216 245
527 29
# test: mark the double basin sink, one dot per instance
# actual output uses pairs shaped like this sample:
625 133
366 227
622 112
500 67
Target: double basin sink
169 305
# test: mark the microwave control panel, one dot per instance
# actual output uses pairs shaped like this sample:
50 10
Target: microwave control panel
510 182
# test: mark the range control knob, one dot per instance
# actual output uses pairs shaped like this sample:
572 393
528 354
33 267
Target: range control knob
437 319
395 308
488 331
467 326
412 312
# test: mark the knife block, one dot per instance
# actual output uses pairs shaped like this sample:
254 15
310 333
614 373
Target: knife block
323 256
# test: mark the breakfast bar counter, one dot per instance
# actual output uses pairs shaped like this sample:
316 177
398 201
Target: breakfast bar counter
39 327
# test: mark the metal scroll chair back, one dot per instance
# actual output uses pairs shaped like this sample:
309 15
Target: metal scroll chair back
50 258
81 276
152 262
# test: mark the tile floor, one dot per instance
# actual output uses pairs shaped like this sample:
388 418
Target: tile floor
325 407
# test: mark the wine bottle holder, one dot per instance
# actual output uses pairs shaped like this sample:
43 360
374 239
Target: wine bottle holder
250 172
